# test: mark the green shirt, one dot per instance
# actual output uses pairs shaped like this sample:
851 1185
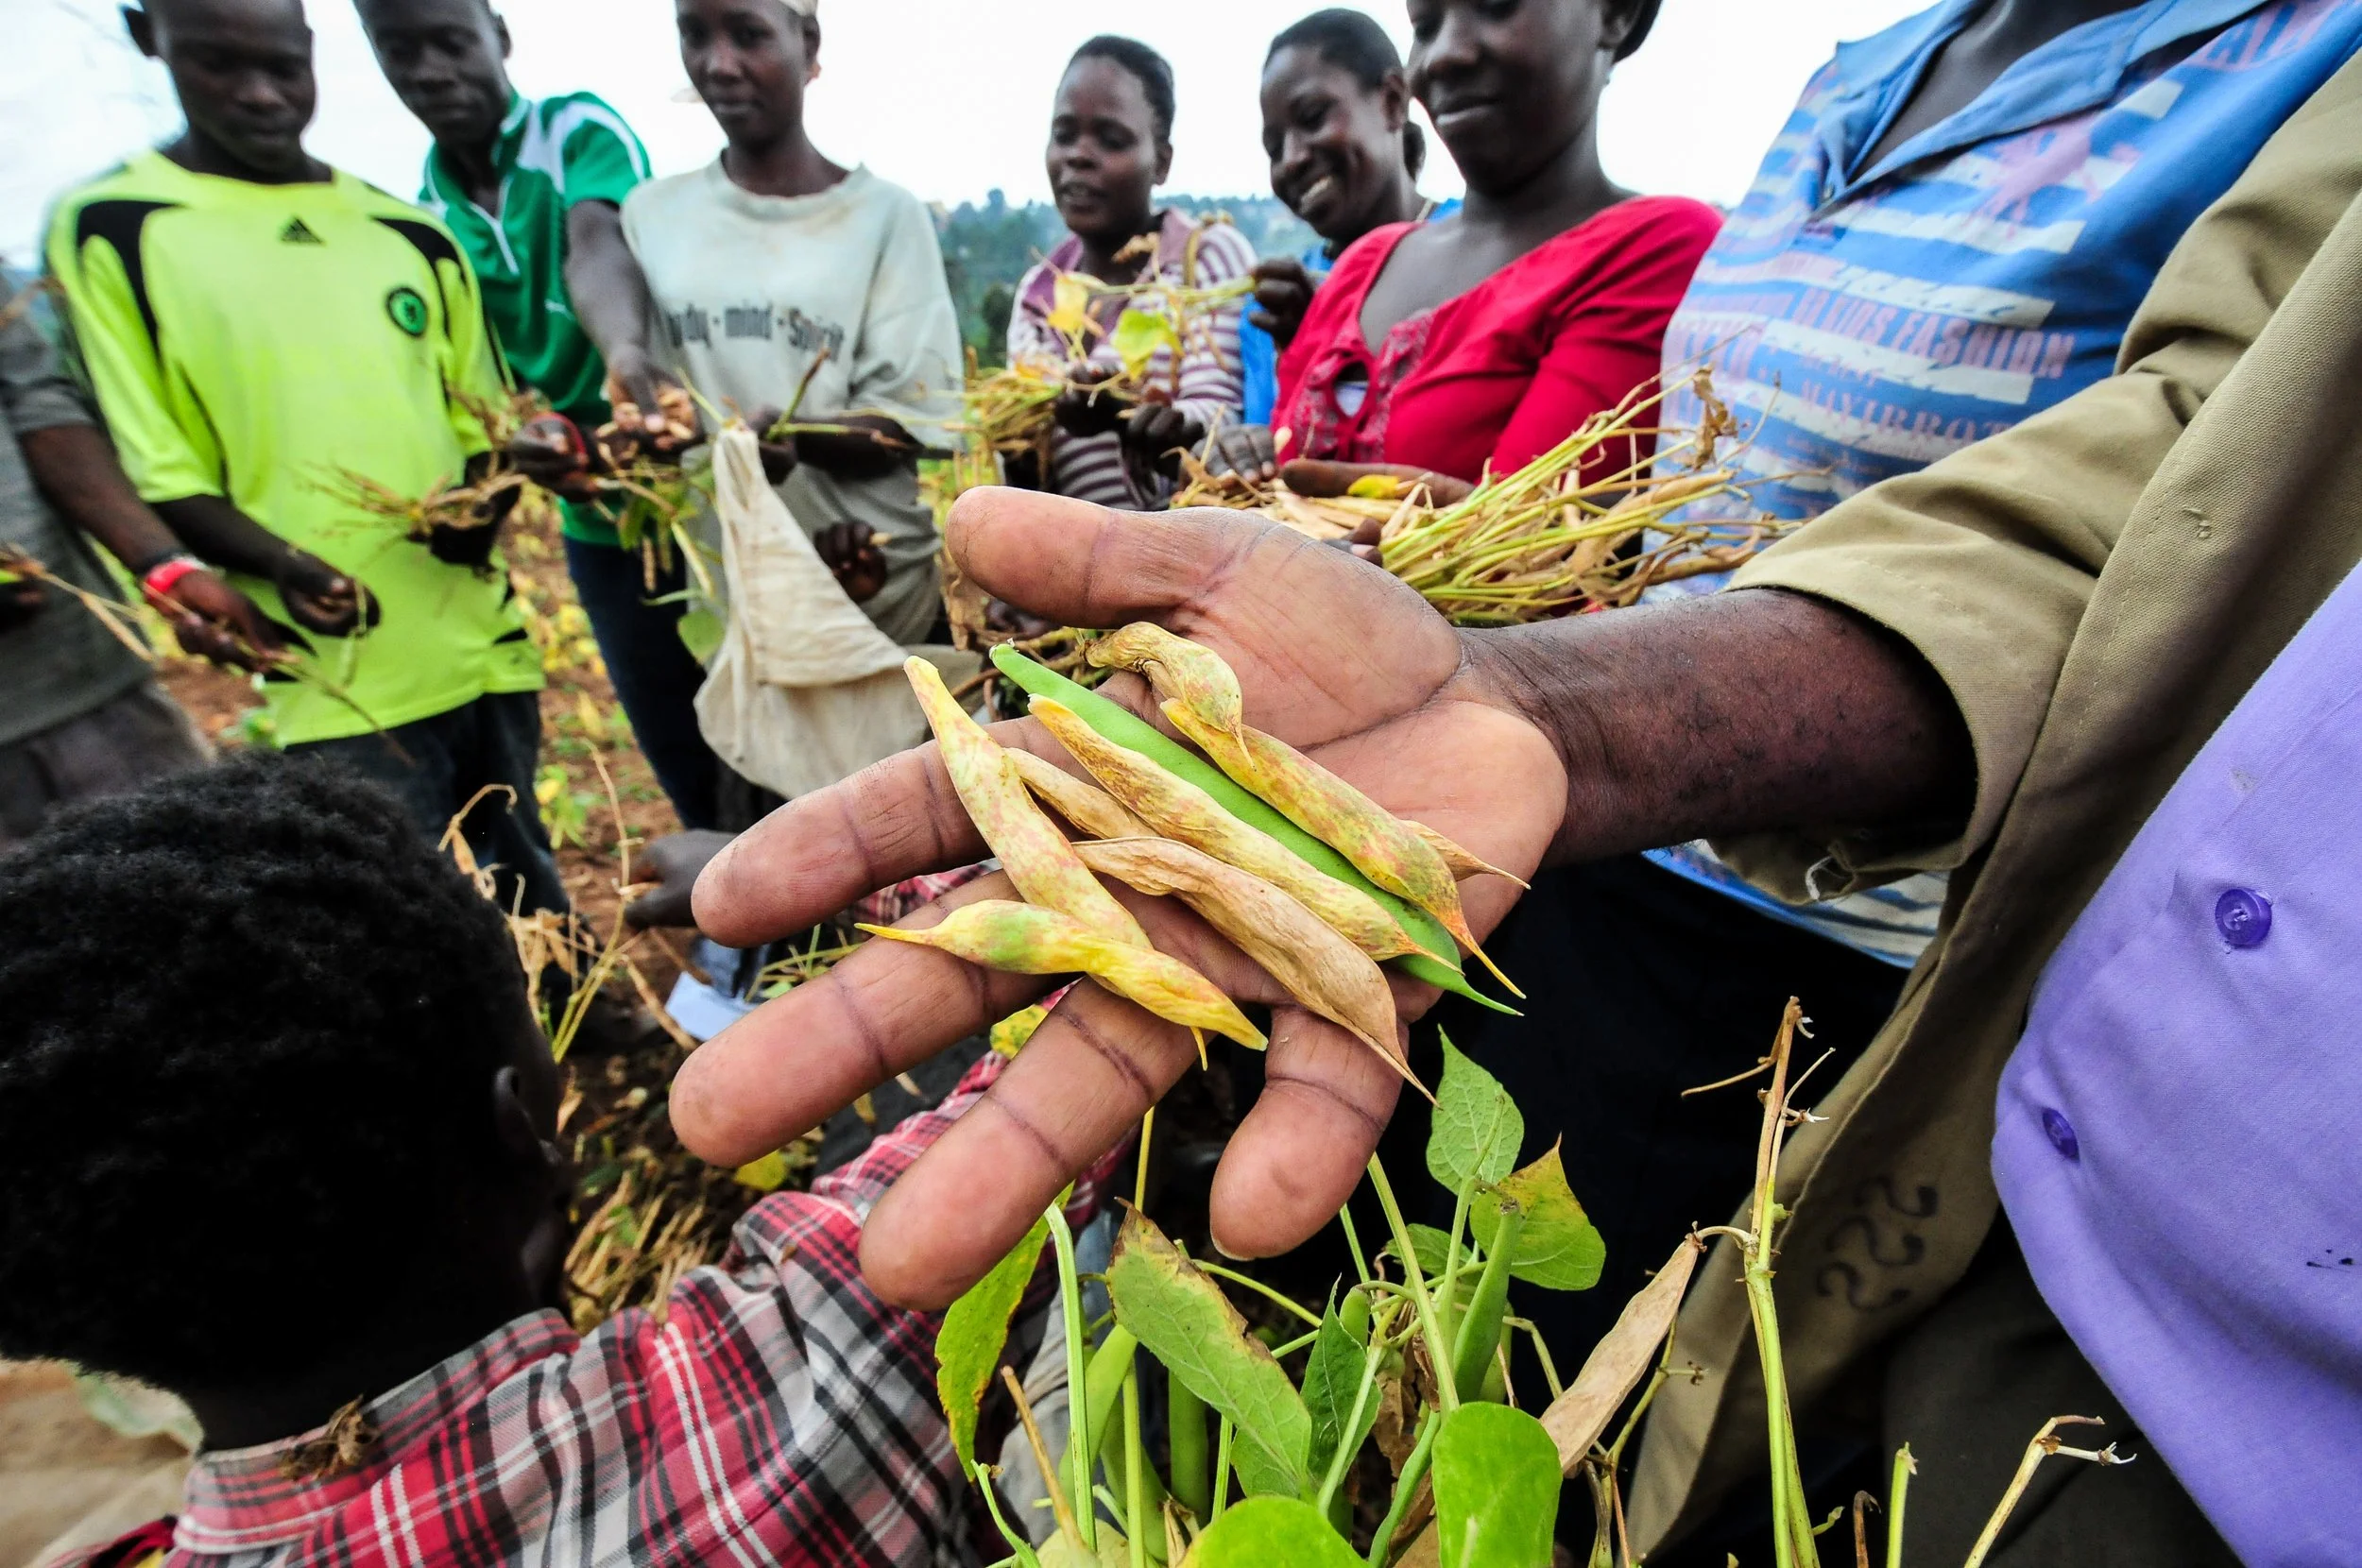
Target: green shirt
549 155
265 344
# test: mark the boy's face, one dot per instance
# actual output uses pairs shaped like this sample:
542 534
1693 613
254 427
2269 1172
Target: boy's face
750 60
243 71
444 59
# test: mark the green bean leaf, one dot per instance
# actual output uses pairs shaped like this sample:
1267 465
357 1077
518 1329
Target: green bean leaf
1138 336
1559 1248
1184 1319
1264 1532
1333 1379
1497 1477
1474 1137
975 1331
1429 1245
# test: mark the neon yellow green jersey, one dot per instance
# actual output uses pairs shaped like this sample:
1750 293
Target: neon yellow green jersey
262 342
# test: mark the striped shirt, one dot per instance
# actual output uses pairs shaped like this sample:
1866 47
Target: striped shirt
1864 321
778 1412
1207 387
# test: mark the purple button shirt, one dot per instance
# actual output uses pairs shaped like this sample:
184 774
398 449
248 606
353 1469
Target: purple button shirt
2179 1134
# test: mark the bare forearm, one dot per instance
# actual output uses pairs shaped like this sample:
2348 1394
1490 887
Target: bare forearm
1731 714
869 446
218 530
609 293
76 468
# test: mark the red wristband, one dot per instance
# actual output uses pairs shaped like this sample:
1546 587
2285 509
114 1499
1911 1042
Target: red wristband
165 576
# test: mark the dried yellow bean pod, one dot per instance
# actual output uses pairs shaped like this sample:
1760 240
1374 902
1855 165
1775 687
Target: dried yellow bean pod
1321 969
1026 939
1080 801
1381 847
1464 866
1179 809
1036 855
1177 667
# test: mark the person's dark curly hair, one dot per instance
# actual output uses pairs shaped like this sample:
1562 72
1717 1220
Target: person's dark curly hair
1353 42
1149 68
249 1020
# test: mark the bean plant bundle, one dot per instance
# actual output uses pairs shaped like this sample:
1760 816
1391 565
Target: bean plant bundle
1590 525
454 502
1011 411
1410 1357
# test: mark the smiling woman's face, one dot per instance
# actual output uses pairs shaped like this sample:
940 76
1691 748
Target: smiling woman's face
750 61
1104 158
1510 83
1335 145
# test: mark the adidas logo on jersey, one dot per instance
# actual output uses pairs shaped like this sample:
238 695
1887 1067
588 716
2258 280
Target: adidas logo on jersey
299 232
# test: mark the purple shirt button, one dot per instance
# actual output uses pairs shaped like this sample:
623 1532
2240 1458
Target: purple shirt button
2061 1132
2244 917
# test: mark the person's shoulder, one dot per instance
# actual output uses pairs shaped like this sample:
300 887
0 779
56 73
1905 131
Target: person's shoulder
132 180
668 193
1663 215
375 202
559 118
1223 242
1366 255
1647 226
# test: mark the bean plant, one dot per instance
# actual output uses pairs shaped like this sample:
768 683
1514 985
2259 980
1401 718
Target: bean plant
1421 1335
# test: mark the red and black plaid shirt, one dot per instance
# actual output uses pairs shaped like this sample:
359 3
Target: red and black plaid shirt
779 1413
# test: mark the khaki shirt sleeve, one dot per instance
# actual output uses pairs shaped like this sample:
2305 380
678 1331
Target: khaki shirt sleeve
1984 562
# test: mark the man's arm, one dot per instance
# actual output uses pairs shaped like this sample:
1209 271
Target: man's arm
77 469
1443 730
1785 713
610 300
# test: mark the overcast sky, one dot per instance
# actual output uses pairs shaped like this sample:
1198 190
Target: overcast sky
949 98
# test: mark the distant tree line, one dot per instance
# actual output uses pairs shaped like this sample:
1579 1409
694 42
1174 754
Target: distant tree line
987 246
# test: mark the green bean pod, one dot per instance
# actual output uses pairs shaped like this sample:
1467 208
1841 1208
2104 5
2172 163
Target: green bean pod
1439 965
1185 1431
1480 1332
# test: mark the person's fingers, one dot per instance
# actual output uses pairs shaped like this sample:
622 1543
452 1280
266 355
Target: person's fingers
893 820
1075 1091
1086 564
800 1058
1297 1155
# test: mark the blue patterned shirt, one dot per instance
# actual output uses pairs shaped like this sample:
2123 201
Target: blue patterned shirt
1864 321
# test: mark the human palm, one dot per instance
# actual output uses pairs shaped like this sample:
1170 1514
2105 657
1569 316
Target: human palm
1334 655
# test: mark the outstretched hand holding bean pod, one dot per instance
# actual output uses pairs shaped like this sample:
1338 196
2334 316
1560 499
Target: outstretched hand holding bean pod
1333 655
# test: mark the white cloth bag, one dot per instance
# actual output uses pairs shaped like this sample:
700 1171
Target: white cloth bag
804 690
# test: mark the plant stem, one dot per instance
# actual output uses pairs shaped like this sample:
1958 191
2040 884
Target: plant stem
1792 1517
1438 1348
1448 1291
1341 1460
1136 1527
1406 1487
1540 1352
1078 1388
1058 1504
1223 1430
2045 1444
1353 1244
1258 1288
1140 1179
1905 1468
1018 1544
